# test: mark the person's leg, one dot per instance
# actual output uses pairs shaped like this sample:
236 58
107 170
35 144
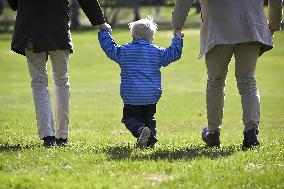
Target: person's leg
246 56
59 60
132 118
149 120
217 61
39 84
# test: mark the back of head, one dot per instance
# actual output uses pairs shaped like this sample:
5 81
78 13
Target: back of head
143 29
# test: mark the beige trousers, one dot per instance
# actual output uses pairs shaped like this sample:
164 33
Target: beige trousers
217 62
37 63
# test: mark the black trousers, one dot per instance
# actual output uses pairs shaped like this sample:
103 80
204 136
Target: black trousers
136 116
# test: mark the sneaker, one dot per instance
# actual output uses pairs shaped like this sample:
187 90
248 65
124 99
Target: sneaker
61 142
250 139
143 137
211 139
49 141
152 141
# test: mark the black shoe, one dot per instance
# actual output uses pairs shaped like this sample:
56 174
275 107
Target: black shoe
250 139
144 134
152 141
211 139
49 141
61 142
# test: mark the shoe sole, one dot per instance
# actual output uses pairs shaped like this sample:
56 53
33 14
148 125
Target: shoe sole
143 139
49 145
251 146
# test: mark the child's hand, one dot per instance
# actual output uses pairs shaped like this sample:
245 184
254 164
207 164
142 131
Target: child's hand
105 26
179 33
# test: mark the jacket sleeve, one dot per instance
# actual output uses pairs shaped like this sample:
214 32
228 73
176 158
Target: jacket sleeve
109 46
180 13
173 53
275 14
93 11
13 4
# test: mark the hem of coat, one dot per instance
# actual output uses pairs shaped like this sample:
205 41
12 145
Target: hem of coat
18 51
22 52
264 47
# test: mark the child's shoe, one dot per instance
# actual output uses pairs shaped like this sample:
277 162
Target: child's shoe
143 137
211 139
152 141
250 139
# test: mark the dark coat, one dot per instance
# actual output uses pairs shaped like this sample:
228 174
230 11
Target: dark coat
46 23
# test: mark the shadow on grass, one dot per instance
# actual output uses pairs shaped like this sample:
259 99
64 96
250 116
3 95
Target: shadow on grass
17 147
171 154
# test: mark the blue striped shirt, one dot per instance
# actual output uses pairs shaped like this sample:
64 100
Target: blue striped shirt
140 62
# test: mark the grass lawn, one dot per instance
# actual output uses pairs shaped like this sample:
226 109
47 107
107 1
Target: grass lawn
101 153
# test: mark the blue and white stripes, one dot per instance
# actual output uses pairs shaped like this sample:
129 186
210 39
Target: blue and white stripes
140 63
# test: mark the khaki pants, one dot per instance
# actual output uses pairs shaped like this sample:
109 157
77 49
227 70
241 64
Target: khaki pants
38 72
217 61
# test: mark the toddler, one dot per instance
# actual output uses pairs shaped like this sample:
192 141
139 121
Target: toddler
140 89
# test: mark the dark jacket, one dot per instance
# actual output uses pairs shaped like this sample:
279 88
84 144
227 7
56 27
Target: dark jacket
46 23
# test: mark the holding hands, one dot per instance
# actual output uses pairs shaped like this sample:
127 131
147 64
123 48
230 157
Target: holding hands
105 26
178 33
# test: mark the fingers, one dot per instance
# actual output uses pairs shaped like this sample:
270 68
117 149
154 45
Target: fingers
105 26
178 33
175 30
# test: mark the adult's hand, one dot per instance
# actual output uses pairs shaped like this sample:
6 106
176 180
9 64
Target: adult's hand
178 33
105 26
176 30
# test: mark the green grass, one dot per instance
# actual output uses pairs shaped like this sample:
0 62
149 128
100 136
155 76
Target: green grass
101 154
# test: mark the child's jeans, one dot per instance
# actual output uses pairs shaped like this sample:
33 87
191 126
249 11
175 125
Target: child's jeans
136 116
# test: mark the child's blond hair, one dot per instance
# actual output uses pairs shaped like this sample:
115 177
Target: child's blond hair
143 29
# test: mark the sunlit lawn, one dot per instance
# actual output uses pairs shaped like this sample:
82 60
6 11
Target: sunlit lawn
101 153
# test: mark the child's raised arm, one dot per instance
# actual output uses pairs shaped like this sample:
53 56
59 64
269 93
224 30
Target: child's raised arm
173 53
109 46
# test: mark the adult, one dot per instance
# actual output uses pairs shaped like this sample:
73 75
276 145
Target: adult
228 28
42 29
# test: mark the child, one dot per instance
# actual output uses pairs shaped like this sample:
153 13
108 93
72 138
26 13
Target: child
140 89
